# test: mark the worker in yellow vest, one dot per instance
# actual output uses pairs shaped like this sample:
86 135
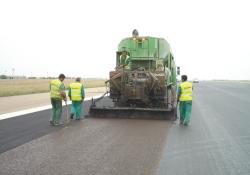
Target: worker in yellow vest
76 95
185 93
57 94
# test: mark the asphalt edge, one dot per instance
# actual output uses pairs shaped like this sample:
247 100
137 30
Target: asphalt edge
36 109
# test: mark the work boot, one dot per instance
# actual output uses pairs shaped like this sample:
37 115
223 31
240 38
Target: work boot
56 123
78 118
71 115
181 122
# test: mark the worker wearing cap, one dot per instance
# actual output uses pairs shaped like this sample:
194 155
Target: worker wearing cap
76 95
57 94
124 60
135 33
185 93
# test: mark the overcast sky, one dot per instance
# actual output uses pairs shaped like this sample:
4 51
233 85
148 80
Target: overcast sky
210 39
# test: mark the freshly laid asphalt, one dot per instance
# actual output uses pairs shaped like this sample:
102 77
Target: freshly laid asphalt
19 130
216 142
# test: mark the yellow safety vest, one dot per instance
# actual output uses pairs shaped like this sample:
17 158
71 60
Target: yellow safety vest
55 89
186 91
76 91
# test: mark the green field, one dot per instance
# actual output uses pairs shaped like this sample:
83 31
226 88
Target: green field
12 87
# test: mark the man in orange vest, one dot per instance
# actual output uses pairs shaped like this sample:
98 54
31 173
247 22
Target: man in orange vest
185 97
76 95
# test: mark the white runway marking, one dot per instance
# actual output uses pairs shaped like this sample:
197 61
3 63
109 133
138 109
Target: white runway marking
36 109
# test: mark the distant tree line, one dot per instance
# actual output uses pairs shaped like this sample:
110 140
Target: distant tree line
33 77
24 77
4 77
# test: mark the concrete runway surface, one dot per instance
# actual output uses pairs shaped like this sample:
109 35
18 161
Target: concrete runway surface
216 142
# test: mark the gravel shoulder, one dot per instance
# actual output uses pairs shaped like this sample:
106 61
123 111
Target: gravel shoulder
22 102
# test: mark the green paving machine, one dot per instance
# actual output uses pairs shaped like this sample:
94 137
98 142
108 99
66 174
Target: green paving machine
143 85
